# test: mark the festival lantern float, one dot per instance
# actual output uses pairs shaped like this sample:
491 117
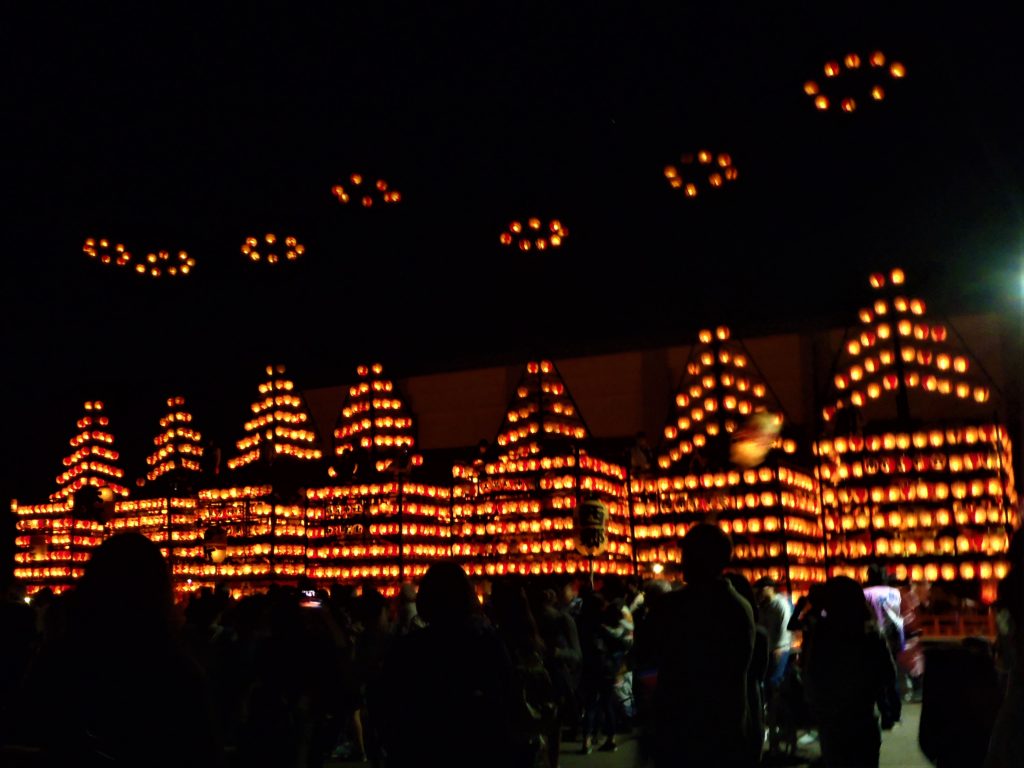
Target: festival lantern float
523 515
165 507
534 234
701 171
724 459
854 82
262 514
930 498
377 523
54 540
366 194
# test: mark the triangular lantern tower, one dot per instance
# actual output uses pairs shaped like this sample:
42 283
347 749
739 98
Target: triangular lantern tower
165 508
261 515
724 459
280 428
916 470
94 459
377 524
179 446
526 517
54 540
374 426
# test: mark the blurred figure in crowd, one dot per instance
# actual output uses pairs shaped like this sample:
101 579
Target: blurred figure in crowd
846 665
701 642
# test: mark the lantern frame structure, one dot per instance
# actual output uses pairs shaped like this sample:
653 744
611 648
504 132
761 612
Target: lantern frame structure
770 509
519 517
928 498
54 541
377 523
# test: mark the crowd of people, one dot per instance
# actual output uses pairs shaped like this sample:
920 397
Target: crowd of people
710 670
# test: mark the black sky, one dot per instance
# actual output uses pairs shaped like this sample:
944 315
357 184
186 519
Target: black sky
193 126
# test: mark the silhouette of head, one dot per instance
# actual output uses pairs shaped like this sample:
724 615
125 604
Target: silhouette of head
706 553
446 595
765 588
877 576
126 590
843 605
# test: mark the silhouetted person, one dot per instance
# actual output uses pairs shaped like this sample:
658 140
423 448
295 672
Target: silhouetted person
18 640
114 688
563 659
886 602
758 670
604 644
1006 746
406 618
773 615
959 703
846 665
701 641
536 726
448 688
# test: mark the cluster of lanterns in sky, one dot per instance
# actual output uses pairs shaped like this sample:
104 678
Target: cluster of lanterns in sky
853 80
847 84
156 263
534 234
271 250
366 195
701 170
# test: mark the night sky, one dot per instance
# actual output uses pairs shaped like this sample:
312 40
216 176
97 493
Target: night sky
196 127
